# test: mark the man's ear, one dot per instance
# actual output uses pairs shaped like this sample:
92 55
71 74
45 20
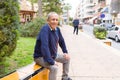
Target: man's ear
48 20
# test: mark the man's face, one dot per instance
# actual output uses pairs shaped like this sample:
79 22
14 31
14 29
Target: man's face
53 21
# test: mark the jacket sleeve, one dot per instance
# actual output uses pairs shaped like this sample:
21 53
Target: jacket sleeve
62 42
45 46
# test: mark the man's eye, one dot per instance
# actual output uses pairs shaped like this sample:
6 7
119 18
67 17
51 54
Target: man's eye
55 19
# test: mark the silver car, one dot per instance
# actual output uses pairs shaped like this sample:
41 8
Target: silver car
114 33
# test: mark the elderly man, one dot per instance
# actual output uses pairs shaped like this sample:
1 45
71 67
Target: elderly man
46 48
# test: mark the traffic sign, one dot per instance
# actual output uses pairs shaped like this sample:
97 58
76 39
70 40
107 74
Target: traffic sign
102 15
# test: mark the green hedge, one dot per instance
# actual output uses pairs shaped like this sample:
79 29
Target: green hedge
22 56
99 32
9 23
32 28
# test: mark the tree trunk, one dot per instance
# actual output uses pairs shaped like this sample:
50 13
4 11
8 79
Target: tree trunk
40 8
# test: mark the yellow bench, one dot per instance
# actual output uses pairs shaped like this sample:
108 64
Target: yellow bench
30 72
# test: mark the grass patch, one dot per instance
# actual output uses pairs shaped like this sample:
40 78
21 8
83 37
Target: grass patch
22 56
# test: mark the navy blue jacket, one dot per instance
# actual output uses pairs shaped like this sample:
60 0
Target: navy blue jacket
76 22
47 44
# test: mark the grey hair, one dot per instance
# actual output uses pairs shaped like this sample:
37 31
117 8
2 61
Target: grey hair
50 14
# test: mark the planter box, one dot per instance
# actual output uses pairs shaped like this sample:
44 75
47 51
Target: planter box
107 42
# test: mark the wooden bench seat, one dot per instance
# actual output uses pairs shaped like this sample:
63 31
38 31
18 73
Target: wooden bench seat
30 72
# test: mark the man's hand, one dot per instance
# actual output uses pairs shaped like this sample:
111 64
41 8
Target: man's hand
56 63
66 56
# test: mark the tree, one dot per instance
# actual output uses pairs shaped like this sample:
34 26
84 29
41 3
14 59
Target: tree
67 7
46 6
52 5
9 22
40 12
39 6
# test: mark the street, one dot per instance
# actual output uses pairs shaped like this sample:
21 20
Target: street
90 58
89 30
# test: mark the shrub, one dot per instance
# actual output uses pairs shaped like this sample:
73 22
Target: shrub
99 32
32 28
9 22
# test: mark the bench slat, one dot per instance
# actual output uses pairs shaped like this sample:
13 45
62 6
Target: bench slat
30 72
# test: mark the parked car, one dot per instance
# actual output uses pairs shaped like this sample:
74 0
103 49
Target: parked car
114 33
107 25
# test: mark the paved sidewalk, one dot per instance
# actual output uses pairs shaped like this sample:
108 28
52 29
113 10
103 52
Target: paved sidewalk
90 58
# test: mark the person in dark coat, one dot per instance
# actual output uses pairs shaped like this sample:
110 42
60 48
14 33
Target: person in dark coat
46 48
75 24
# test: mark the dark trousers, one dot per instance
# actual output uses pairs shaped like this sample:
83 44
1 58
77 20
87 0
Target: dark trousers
75 30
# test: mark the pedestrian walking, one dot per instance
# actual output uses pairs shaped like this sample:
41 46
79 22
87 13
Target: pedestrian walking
76 25
46 48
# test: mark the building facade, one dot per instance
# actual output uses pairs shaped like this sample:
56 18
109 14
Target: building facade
95 11
27 11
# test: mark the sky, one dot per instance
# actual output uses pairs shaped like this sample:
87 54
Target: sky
74 4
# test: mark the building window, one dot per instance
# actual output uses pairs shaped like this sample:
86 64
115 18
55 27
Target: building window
91 1
100 1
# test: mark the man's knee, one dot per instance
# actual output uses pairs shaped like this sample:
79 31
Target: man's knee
68 60
54 68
